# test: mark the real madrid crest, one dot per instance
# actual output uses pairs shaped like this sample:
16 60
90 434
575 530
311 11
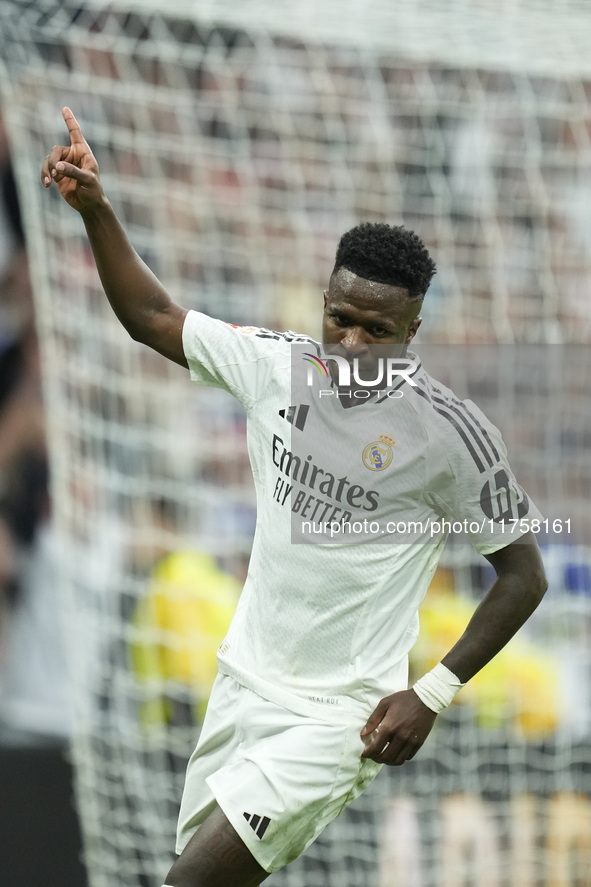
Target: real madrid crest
378 454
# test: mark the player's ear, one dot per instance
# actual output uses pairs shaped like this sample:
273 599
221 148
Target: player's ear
325 298
412 330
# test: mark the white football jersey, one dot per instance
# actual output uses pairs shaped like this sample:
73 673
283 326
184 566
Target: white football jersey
327 617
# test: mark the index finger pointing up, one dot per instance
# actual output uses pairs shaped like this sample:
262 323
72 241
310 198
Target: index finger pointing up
76 136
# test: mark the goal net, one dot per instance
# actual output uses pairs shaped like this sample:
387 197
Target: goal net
237 142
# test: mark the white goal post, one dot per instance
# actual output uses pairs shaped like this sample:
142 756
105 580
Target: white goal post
237 141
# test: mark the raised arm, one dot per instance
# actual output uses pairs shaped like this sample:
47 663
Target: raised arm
404 721
136 295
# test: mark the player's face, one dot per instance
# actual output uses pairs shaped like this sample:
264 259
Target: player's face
359 313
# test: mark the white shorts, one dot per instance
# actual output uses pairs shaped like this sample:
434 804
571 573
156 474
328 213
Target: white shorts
279 777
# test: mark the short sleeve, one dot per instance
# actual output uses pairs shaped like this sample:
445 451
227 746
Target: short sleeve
479 489
238 359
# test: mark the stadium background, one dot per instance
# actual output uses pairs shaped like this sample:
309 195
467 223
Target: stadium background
236 146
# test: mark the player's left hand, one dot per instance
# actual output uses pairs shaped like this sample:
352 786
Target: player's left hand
403 723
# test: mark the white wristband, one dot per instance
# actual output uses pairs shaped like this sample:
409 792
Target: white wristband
437 688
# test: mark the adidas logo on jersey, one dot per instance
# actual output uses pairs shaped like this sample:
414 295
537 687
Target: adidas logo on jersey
296 416
257 823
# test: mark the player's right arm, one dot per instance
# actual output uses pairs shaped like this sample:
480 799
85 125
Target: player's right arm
136 295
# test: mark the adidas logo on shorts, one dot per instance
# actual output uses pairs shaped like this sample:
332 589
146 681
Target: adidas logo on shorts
258 824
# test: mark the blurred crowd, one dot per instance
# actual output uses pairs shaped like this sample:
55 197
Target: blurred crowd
32 668
34 704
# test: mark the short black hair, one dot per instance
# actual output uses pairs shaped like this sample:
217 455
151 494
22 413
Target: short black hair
388 254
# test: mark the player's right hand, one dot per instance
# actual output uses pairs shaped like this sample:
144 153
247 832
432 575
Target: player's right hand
73 169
